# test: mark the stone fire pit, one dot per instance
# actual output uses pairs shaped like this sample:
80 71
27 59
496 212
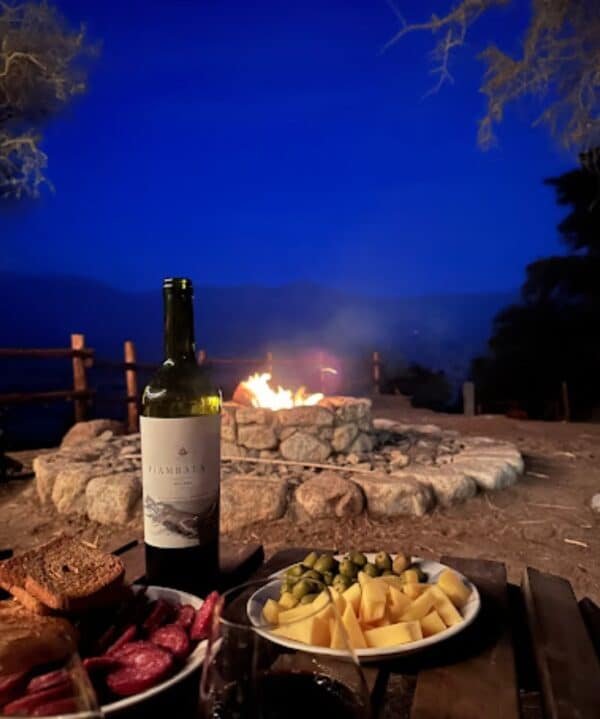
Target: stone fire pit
333 427
331 460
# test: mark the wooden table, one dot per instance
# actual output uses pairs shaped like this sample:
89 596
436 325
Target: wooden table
532 653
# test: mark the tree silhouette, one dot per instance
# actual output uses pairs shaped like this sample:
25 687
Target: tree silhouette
552 335
40 71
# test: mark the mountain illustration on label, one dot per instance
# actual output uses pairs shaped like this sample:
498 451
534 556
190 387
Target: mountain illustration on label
182 452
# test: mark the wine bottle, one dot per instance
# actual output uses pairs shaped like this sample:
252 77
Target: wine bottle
180 428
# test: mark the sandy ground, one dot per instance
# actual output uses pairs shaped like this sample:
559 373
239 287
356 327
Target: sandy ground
545 521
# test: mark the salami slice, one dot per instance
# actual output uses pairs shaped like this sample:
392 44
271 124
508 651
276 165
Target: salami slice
201 625
48 680
159 614
100 664
12 686
144 665
25 705
60 706
127 636
174 639
186 616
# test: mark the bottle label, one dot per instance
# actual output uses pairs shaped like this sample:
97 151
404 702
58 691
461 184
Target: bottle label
180 476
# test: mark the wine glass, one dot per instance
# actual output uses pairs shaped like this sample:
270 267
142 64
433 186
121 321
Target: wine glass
256 669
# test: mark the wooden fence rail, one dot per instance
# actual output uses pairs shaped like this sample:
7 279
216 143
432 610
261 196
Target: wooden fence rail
83 358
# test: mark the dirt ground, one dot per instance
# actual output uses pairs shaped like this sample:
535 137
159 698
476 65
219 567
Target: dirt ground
544 521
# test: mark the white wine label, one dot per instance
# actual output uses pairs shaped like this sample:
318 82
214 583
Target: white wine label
180 476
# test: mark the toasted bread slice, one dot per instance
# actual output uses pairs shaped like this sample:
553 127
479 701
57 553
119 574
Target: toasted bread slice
28 640
65 575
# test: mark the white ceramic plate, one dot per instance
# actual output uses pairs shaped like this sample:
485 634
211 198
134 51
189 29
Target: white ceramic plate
193 661
432 569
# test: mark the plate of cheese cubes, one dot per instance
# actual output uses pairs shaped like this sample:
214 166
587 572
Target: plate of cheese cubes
386 605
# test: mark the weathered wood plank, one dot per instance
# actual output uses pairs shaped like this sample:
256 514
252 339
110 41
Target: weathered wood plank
482 681
567 664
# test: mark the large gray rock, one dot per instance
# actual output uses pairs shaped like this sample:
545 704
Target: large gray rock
489 473
254 415
449 484
230 449
68 492
303 447
228 425
363 443
314 416
395 497
507 453
46 467
86 431
329 495
112 499
257 436
245 500
343 436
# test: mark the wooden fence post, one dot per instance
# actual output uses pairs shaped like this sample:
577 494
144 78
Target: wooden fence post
468 391
269 363
79 376
376 373
564 390
131 387
201 357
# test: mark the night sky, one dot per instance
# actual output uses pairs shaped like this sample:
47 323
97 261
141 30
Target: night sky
270 142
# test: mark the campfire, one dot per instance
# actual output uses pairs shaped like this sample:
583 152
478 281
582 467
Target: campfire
256 391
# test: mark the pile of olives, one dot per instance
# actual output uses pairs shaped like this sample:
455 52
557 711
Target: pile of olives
301 582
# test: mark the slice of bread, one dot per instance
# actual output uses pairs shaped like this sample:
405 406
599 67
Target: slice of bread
65 575
28 640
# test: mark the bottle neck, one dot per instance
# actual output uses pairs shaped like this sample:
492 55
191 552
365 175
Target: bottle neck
179 326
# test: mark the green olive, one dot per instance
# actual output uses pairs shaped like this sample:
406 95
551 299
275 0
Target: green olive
348 568
341 582
324 563
308 598
387 573
420 573
358 558
302 588
296 571
383 561
400 563
286 587
370 569
328 578
310 559
312 574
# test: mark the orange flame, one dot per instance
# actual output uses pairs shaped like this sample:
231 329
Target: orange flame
263 395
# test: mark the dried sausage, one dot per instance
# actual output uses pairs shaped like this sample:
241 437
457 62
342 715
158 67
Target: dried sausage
186 616
160 613
61 706
11 686
174 639
47 681
144 665
100 664
127 636
201 626
25 705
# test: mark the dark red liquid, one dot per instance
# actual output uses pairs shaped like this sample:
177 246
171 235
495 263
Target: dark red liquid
283 695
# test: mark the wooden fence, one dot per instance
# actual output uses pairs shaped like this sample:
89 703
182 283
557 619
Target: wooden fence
83 358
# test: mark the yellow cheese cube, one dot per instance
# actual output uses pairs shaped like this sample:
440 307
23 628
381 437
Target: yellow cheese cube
400 633
322 602
338 600
410 576
337 639
420 607
397 603
287 601
352 596
444 607
271 611
392 580
353 630
453 586
414 590
313 630
432 624
372 602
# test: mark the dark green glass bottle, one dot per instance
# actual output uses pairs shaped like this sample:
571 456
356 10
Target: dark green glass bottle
180 430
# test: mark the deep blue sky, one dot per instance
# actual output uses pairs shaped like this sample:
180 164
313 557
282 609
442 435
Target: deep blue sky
266 142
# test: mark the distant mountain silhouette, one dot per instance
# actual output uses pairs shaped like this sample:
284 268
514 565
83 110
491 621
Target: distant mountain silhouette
440 331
